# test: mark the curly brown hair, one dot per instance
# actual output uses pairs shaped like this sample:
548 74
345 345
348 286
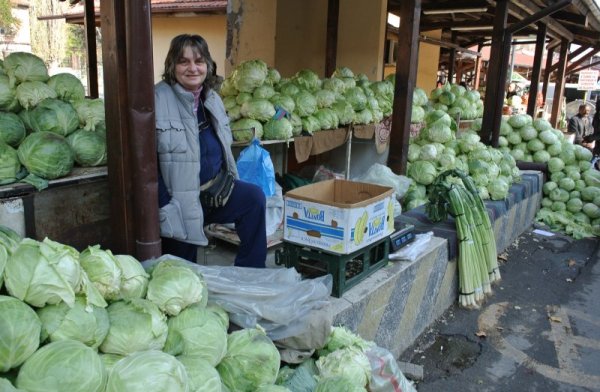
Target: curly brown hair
200 48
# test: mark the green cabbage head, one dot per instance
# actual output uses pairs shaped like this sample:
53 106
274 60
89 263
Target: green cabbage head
67 86
349 362
250 74
197 331
46 155
150 332
86 324
8 98
252 360
90 112
41 273
147 371
54 115
66 365
103 271
12 129
134 279
30 94
278 129
9 163
20 331
23 66
202 376
174 287
89 148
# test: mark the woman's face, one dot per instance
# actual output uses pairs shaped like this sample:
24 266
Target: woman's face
190 70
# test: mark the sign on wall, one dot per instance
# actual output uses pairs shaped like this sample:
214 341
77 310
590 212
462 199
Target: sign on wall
588 80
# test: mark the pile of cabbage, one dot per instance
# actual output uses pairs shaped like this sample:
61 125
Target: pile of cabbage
457 101
260 103
92 321
438 148
46 124
571 202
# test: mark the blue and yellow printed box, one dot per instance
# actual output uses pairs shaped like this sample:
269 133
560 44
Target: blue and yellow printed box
338 216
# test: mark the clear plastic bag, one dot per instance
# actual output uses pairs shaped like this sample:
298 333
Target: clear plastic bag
382 175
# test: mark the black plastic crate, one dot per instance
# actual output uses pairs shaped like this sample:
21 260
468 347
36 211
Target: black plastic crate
347 270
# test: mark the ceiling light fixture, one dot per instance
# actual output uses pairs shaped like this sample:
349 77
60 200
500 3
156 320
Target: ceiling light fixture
454 10
471 28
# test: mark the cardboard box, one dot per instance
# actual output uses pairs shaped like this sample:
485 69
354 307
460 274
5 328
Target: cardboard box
338 216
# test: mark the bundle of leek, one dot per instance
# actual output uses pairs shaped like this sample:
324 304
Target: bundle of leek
453 192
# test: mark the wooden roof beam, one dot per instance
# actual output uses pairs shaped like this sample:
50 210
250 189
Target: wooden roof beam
538 15
587 33
531 8
570 17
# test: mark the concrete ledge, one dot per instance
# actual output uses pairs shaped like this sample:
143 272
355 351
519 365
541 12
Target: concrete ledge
395 304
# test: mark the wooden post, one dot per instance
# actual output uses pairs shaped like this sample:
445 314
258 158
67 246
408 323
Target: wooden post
117 126
452 60
89 22
537 69
406 77
547 73
142 142
333 11
477 68
495 84
559 87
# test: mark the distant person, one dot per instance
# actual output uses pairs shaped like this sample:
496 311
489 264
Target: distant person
512 90
581 125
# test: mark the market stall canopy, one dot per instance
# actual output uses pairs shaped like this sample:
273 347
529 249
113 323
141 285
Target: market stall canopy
470 23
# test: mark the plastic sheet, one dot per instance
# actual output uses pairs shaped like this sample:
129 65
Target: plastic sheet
277 299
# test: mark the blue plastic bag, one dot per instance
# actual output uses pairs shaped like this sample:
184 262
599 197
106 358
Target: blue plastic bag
255 166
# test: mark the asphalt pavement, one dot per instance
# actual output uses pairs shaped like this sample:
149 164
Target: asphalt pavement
538 331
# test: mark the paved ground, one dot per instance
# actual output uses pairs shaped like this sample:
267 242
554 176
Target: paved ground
539 331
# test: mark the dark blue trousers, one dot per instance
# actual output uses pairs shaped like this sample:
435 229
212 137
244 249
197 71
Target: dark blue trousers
245 208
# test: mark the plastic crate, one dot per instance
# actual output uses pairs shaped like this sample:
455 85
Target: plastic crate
347 270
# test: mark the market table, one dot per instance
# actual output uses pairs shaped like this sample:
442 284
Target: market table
73 210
